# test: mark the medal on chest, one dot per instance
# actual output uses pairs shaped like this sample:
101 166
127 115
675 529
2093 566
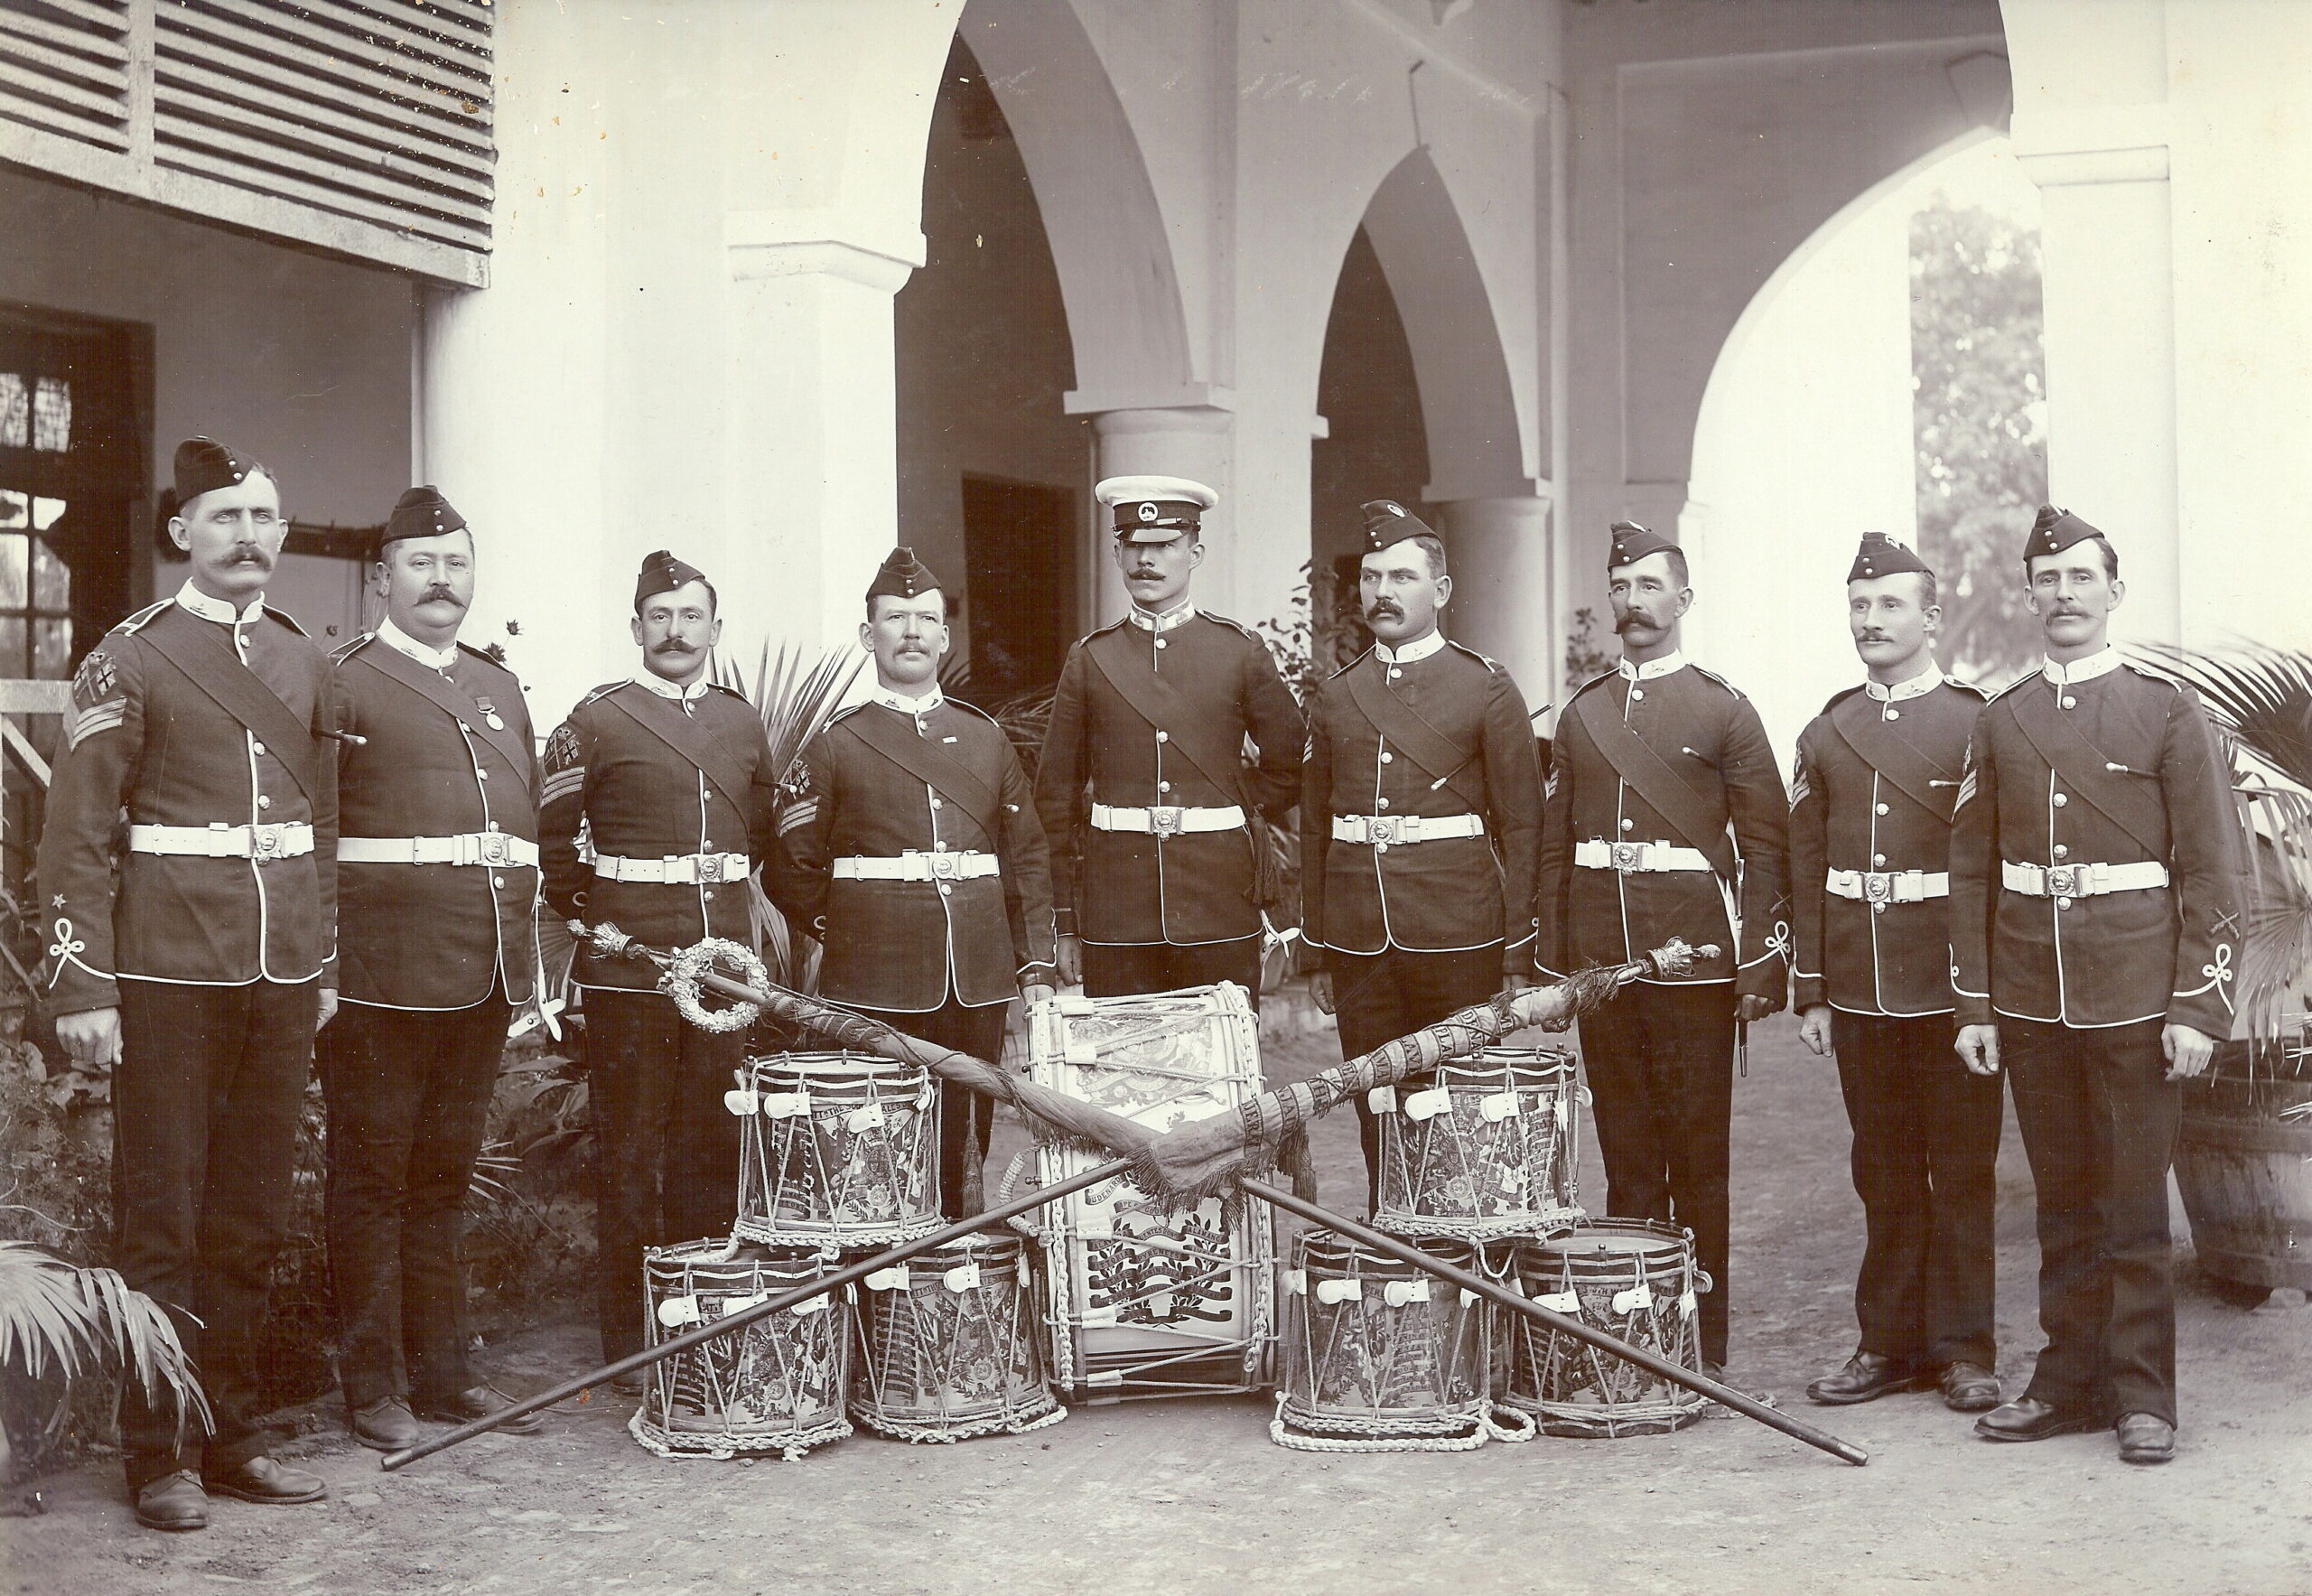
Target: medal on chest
490 714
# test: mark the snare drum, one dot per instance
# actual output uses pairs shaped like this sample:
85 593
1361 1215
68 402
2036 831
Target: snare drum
948 1345
1144 1299
1381 1355
1486 1148
773 1385
1636 1280
836 1150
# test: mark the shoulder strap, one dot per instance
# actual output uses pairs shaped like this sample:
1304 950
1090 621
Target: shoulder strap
929 763
202 658
449 697
687 738
1875 741
1403 725
1688 811
1163 706
2125 799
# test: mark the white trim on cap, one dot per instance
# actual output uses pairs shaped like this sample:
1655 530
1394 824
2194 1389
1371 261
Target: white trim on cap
1112 491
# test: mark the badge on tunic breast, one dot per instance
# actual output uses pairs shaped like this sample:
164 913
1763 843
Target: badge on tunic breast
490 714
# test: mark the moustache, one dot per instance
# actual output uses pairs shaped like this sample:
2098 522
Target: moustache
1389 607
439 594
1630 617
673 646
249 557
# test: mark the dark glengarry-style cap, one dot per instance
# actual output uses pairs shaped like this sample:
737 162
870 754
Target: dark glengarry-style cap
1632 543
1155 510
203 465
2055 531
663 572
901 577
1881 555
1388 522
421 512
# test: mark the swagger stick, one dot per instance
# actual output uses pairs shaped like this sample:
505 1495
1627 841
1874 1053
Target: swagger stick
1749 1407
748 1315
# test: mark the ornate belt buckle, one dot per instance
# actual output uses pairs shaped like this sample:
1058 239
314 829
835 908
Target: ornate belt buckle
1385 828
1629 856
944 867
710 868
2063 881
1167 820
494 850
1877 886
264 841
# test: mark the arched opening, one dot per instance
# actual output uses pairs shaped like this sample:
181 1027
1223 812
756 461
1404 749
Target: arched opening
1810 433
993 472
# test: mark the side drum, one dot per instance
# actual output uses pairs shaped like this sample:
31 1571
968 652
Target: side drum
949 1346
774 1385
1381 1355
1632 1279
836 1150
1482 1150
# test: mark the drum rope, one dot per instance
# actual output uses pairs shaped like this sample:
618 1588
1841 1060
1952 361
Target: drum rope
1338 1433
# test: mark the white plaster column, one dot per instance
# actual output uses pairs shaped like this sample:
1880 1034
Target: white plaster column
1503 603
2092 127
1193 441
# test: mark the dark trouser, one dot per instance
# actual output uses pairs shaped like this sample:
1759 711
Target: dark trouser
1378 997
408 1092
1130 968
666 1147
979 1033
1660 1062
2099 1123
1926 1165
206 1101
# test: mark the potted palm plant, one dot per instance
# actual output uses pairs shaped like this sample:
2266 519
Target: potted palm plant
2244 1160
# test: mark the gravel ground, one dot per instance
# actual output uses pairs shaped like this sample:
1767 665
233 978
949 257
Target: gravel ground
1191 1496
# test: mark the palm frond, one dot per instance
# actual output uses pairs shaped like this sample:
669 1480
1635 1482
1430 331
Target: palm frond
41 1320
2260 694
52 1313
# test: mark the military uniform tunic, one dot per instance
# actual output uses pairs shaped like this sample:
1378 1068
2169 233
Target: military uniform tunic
202 726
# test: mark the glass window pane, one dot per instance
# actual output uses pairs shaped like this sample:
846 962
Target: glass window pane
45 511
52 577
15 412
14 585
15 509
11 647
52 650
52 415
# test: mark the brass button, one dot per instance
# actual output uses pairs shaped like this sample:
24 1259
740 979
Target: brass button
1882 808
2069 701
938 847
2061 800
1380 847
497 880
1637 693
1160 642
1163 736
1383 802
707 892
936 803
1388 759
1877 909
1626 825
263 802
1163 786
256 746
1877 861
1394 672
945 891
1893 714
2062 851
2063 903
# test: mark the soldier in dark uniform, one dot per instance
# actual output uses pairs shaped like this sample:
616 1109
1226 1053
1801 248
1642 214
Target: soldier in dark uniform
2095 926
1420 815
672 776
1159 885
915 857
1870 801
437 886
1665 817
201 970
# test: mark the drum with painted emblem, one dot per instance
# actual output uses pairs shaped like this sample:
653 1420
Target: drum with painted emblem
836 1151
776 1385
950 1345
1636 1280
1487 1147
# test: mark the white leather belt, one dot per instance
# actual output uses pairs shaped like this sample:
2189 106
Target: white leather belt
1889 886
682 870
284 840
2081 880
915 865
1626 857
1166 821
496 849
1382 830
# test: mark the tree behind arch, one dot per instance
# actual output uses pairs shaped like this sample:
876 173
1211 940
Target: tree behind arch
1978 417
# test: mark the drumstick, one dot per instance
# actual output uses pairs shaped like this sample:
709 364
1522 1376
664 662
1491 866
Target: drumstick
643 1360
1725 1395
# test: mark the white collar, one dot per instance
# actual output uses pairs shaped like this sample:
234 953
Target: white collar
401 642
667 689
217 610
1411 653
1675 660
1926 681
909 706
1179 614
2102 663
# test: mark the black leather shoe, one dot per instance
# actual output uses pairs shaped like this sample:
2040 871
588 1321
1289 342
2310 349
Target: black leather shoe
173 1501
261 1479
479 1402
1867 1376
1969 1388
632 1385
2027 1418
385 1424
2146 1438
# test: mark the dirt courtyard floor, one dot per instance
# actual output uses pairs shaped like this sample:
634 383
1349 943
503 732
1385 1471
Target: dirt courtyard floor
1191 1496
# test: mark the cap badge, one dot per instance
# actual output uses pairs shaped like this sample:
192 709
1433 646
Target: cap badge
1148 511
